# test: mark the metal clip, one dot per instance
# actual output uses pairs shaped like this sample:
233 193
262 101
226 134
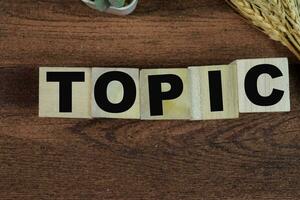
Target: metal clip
126 10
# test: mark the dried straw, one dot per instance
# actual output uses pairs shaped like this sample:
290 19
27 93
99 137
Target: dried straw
280 19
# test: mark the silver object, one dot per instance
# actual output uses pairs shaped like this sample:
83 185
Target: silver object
126 10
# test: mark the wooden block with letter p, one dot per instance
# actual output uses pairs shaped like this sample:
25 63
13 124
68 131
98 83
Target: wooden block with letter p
263 85
115 93
213 92
164 94
64 92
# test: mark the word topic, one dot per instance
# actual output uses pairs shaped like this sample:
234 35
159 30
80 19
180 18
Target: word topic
193 93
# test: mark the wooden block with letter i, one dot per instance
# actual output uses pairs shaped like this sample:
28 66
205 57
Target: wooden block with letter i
213 91
64 92
164 94
263 85
115 93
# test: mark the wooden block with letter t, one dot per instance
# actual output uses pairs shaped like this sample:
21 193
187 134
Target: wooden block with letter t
213 91
64 92
263 85
164 94
115 93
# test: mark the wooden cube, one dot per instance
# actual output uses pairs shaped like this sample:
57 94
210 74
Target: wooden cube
213 92
64 92
115 93
263 85
164 94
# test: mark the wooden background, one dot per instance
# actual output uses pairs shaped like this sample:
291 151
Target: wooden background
254 157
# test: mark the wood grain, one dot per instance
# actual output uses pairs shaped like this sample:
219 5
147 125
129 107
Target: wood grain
254 157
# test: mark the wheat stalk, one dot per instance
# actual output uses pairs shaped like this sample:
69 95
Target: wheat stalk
280 19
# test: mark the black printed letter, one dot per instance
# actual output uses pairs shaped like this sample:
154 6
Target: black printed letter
157 96
129 88
215 91
251 85
65 80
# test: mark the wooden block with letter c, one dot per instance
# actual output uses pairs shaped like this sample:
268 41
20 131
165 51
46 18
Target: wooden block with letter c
263 85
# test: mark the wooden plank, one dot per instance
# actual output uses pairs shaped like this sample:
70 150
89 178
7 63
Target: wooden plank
255 156
169 34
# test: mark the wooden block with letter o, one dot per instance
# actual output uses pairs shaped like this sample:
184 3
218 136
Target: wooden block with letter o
164 94
213 92
115 93
263 85
64 92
